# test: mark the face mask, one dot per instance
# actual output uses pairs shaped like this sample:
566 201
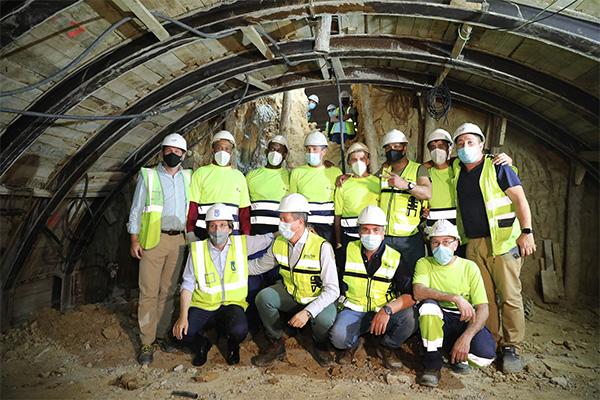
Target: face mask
219 238
332 113
443 254
468 155
359 168
172 160
222 158
438 156
371 242
313 159
394 155
285 228
275 158
312 106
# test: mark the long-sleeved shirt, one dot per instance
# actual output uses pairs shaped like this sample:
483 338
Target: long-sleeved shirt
331 288
173 216
254 244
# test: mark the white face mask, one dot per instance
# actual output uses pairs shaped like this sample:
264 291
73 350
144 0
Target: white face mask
313 159
359 168
275 158
371 242
438 156
285 228
222 158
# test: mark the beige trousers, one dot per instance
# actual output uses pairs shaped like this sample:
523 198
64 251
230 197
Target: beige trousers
503 287
160 268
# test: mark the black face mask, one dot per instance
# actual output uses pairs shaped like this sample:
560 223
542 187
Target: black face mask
172 159
394 155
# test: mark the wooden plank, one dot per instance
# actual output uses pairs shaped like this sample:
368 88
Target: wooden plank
251 35
558 267
549 282
145 17
387 25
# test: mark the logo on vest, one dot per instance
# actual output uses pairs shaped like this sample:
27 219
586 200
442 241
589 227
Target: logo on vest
412 206
315 283
232 264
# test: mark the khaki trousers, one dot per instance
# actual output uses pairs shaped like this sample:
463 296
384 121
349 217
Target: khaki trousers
160 269
500 274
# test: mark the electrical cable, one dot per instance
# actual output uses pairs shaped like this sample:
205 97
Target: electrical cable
340 116
438 101
535 19
261 31
193 30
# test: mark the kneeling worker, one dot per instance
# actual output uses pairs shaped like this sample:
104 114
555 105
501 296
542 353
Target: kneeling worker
453 308
377 292
215 286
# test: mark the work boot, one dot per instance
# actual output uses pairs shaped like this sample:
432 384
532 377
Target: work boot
322 354
274 351
233 353
202 346
511 362
430 378
146 354
166 345
345 357
389 357
461 368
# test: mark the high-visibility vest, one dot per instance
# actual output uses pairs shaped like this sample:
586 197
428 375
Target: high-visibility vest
442 204
318 186
210 291
303 280
367 293
266 186
149 235
402 209
349 125
502 219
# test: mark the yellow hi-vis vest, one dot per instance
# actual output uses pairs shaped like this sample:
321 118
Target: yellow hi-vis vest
502 219
211 292
303 280
369 293
151 214
442 204
402 209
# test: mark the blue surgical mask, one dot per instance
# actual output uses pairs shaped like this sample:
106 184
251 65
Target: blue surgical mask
313 159
443 254
468 155
219 238
371 242
285 229
312 106
332 113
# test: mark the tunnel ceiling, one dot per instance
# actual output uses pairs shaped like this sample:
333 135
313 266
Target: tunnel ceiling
536 67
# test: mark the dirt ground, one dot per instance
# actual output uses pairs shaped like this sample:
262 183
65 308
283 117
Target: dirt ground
90 353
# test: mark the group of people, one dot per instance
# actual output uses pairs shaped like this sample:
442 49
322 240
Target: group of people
335 125
432 250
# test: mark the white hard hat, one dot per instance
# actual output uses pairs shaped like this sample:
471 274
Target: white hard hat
315 138
358 146
278 139
440 134
314 98
394 136
344 94
226 135
175 140
331 107
219 212
372 215
294 202
443 227
468 127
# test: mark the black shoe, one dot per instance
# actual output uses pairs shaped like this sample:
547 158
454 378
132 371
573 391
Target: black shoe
389 357
166 346
345 357
322 354
511 362
146 354
461 368
233 353
202 346
430 378
274 351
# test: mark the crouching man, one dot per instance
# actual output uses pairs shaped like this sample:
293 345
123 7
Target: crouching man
453 308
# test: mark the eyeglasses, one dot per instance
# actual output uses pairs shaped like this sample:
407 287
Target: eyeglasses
448 242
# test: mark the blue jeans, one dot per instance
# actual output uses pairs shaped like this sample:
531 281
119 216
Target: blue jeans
350 325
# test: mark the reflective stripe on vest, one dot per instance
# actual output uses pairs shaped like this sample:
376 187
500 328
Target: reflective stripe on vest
264 212
321 213
402 209
441 213
502 219
149 235
303 280
233 208
366 293
350 226
211 292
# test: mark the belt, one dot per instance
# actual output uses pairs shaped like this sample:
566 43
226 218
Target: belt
172 233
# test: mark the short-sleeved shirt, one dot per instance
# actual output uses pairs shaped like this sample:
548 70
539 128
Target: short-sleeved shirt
317 184
268 183
215 184
461 277
470 198
355 194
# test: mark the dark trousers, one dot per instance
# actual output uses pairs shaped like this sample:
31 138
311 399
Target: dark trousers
324 230
411 248
230 322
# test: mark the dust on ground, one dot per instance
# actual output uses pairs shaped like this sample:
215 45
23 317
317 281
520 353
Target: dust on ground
90 353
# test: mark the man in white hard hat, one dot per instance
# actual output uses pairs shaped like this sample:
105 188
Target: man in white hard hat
453 307
309 285
313 102
405 185
157 225
495 216
316 182
350 118
377 294
332 115
215 286
219 182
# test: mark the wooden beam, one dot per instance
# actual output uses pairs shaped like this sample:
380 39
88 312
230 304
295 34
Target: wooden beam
368 127
464 32
254 82
145 17
252 36
286 112
337 68
323 34
324 68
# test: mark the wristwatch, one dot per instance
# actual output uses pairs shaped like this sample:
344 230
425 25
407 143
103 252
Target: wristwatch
527 231
388 310
411 185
